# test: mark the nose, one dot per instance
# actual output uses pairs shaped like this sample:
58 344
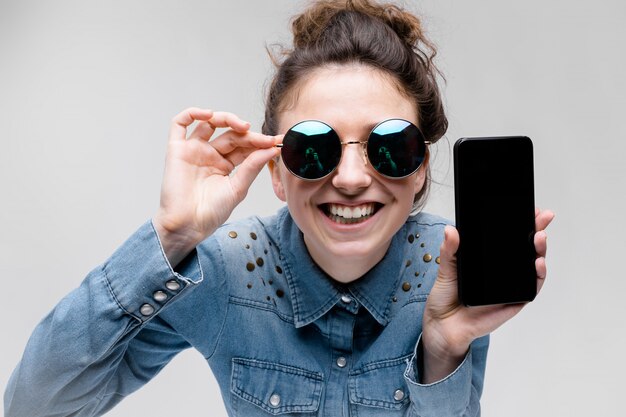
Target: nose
352 174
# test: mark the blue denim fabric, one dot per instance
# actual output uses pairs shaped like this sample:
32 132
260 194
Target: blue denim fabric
280 336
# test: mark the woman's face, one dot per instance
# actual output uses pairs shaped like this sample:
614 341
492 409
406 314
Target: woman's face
352 100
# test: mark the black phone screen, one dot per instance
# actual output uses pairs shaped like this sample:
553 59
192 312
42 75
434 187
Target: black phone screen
495 217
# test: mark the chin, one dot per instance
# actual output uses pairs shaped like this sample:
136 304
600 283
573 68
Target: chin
356 249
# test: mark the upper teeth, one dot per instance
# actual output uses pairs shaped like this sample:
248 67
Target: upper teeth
351 212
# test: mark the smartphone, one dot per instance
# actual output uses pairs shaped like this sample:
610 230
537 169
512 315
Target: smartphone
495 217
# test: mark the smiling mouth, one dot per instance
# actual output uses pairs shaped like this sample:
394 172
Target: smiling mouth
342 214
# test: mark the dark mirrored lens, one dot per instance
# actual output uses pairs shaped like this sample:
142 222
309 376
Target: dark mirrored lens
311 149
396 148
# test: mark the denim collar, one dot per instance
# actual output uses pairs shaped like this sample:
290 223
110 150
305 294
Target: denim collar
314 293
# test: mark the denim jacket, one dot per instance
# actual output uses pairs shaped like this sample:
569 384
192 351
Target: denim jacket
280 336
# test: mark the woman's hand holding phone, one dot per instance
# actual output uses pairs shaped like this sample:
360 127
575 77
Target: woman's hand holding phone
449 326
198 192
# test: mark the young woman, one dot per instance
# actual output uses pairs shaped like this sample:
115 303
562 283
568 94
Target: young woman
343 303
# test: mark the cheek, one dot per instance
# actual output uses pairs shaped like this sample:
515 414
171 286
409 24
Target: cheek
420 180
277 180
405 193
297 192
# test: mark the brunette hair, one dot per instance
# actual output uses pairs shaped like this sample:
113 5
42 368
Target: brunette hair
383 36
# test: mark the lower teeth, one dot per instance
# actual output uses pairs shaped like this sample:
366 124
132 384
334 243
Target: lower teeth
343 220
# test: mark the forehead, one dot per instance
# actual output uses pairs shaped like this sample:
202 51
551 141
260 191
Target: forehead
347 95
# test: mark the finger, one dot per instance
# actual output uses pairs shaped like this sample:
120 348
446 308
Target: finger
447 253
229 141
180 122
541 243
203 131
543 219
204 156
237 156
231 120
217 161
249 169
542 270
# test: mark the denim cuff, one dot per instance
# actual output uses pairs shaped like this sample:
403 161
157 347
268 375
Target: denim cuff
140 277
449 396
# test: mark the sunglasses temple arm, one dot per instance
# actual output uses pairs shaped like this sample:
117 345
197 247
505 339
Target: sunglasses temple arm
280 145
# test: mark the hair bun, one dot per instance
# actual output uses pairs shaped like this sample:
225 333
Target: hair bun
309 26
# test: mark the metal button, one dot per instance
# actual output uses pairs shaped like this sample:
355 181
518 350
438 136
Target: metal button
398 395
275 400
172 285
159 296
341 362
146 309
346 299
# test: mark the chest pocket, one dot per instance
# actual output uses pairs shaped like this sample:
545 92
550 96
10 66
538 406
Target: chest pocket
260 388
379 386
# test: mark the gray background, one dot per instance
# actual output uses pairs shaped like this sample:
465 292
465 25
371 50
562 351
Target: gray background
87 90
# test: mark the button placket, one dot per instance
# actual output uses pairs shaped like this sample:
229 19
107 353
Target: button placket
341 322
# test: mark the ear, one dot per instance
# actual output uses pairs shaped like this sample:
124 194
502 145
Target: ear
277 182
420 179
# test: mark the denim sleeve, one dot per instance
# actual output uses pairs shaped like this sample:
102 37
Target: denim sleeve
456 395
105 339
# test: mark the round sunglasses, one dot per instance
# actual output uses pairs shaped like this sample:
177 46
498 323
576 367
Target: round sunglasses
311 149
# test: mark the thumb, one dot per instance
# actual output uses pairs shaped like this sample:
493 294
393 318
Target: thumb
447 253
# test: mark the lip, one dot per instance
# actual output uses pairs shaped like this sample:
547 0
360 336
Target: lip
351 203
